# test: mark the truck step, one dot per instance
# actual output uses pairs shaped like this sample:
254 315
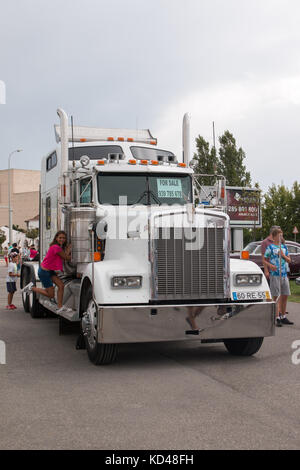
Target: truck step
52 307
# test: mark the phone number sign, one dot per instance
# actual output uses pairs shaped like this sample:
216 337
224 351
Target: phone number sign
169 187
243 207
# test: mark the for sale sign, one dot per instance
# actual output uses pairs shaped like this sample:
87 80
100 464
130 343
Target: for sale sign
169 187
243 207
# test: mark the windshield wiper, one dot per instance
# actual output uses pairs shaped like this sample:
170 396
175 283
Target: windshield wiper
145 193
141 197
154 197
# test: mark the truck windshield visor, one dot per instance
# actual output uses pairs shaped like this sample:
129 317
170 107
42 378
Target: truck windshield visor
146 153
130 189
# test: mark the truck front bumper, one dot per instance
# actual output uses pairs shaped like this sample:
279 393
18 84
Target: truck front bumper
134 324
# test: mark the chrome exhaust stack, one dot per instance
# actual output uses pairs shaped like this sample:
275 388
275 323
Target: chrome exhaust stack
64 179
186 150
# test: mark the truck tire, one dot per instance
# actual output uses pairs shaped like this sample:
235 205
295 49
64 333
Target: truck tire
98 353
243 346
35 308
25 279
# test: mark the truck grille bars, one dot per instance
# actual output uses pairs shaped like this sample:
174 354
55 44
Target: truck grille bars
189 263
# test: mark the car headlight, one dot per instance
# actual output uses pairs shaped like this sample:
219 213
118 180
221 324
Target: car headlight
248 279
126 282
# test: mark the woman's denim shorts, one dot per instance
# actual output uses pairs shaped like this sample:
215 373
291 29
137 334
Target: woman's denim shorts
45 277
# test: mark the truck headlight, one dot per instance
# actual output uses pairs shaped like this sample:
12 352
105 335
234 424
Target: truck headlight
248 279
126 282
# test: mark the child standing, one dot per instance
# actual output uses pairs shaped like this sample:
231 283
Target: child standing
12 275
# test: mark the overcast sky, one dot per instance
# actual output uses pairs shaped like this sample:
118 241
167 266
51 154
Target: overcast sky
128 63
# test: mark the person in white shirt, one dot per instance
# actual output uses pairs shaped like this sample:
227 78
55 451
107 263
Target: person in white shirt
12 275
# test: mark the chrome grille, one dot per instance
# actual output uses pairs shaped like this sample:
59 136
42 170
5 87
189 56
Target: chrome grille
181 272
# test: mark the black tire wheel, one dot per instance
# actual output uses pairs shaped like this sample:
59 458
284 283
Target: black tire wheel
25 279
243 346
35 308
98 353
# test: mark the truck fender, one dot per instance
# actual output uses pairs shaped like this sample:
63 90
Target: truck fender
86 282
32 269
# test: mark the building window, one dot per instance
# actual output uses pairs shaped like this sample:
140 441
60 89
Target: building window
51 161
48 212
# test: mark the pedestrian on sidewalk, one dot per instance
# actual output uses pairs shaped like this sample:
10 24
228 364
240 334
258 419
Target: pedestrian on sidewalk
51 265
12 275
264 245
33 252
5 254
276 260
25 252
14 249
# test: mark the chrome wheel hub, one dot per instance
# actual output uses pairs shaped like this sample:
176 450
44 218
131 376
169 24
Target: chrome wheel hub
30 298
89 323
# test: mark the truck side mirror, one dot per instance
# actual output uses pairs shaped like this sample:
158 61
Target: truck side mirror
101 229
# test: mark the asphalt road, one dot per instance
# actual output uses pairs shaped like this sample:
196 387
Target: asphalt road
157 396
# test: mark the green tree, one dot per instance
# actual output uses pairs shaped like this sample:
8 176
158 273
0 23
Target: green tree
205 161
295 207
277 209
232 162
32 233
18 228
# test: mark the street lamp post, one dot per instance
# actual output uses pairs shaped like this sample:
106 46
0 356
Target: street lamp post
9 197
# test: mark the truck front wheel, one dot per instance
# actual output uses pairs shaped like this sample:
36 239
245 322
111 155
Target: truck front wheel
98 353
35 308
25 279
243 346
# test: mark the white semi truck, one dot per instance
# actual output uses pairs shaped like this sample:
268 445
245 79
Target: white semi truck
147 265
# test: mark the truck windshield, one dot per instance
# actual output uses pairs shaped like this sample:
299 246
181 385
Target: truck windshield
130 189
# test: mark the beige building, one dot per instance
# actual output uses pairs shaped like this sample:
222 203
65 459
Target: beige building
24 186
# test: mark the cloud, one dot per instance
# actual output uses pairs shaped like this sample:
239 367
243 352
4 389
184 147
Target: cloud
114 64
254 110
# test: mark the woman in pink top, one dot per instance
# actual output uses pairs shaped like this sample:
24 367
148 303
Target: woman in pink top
53 262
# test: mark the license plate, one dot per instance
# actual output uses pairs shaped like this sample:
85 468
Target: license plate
251 295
